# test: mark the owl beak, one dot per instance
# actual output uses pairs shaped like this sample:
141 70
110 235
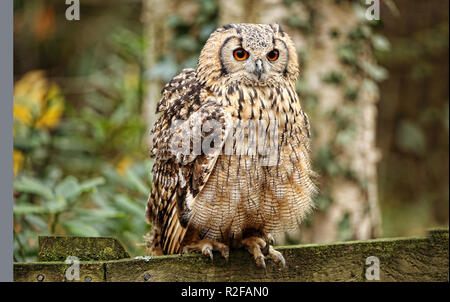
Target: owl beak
258 68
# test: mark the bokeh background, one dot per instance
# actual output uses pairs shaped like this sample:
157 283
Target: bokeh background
84 94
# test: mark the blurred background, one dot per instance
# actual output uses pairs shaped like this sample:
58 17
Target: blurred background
85 91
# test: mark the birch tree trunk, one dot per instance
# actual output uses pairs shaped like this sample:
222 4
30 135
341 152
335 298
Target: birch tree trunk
154 19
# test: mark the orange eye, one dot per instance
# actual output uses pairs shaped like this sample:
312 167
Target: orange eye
240 54
273 55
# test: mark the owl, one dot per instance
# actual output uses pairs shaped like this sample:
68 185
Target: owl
231 149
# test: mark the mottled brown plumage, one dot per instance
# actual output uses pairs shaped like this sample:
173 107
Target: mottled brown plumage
231 196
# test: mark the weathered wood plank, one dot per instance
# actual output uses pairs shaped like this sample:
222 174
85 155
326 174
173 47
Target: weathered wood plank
56 272
401 259
57 248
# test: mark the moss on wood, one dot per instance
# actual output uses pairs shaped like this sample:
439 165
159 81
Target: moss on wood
401 259
58 248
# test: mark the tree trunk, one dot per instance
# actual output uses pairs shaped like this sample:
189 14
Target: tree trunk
154 19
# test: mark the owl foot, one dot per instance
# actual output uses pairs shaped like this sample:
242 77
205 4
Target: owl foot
258 247
269 241
276 256
254 246
206 247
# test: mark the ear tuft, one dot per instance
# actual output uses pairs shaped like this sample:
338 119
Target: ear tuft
277 28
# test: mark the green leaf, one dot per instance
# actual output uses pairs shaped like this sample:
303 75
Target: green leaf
165 69
129 206
376 72
137 182
80 228
380 43
56 206
333 77
174 21
29 209
68 188
351 93
91 183
37 222
98 214
347 55
323 202
344 229
49 207
345 137
30 185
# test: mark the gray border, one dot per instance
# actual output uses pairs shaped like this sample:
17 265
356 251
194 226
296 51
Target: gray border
6 146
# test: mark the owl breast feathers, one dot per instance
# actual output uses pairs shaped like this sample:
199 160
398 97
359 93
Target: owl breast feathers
231 147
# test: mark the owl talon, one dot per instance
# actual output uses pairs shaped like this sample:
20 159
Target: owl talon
254 246
208 252
265 249
185 250
225 253
276 256
206 247
260 262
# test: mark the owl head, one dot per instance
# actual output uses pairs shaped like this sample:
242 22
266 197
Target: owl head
249 54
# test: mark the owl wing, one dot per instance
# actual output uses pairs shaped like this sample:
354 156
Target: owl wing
179 174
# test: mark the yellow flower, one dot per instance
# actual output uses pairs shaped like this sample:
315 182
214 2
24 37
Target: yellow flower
38 102
51 116
22 114
123 164
31 88
17 161
53 92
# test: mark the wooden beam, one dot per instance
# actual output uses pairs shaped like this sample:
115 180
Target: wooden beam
400 259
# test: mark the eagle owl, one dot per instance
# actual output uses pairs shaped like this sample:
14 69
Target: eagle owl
231 195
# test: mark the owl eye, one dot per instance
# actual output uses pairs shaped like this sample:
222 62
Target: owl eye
240 54
273 55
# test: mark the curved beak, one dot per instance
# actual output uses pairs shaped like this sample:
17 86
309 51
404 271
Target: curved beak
258 68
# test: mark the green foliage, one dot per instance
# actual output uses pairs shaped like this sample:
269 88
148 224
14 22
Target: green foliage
333 77
297 22
344 231
375 72
187 40
380 43
323 202
422 45
81 167
351 93
410 138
